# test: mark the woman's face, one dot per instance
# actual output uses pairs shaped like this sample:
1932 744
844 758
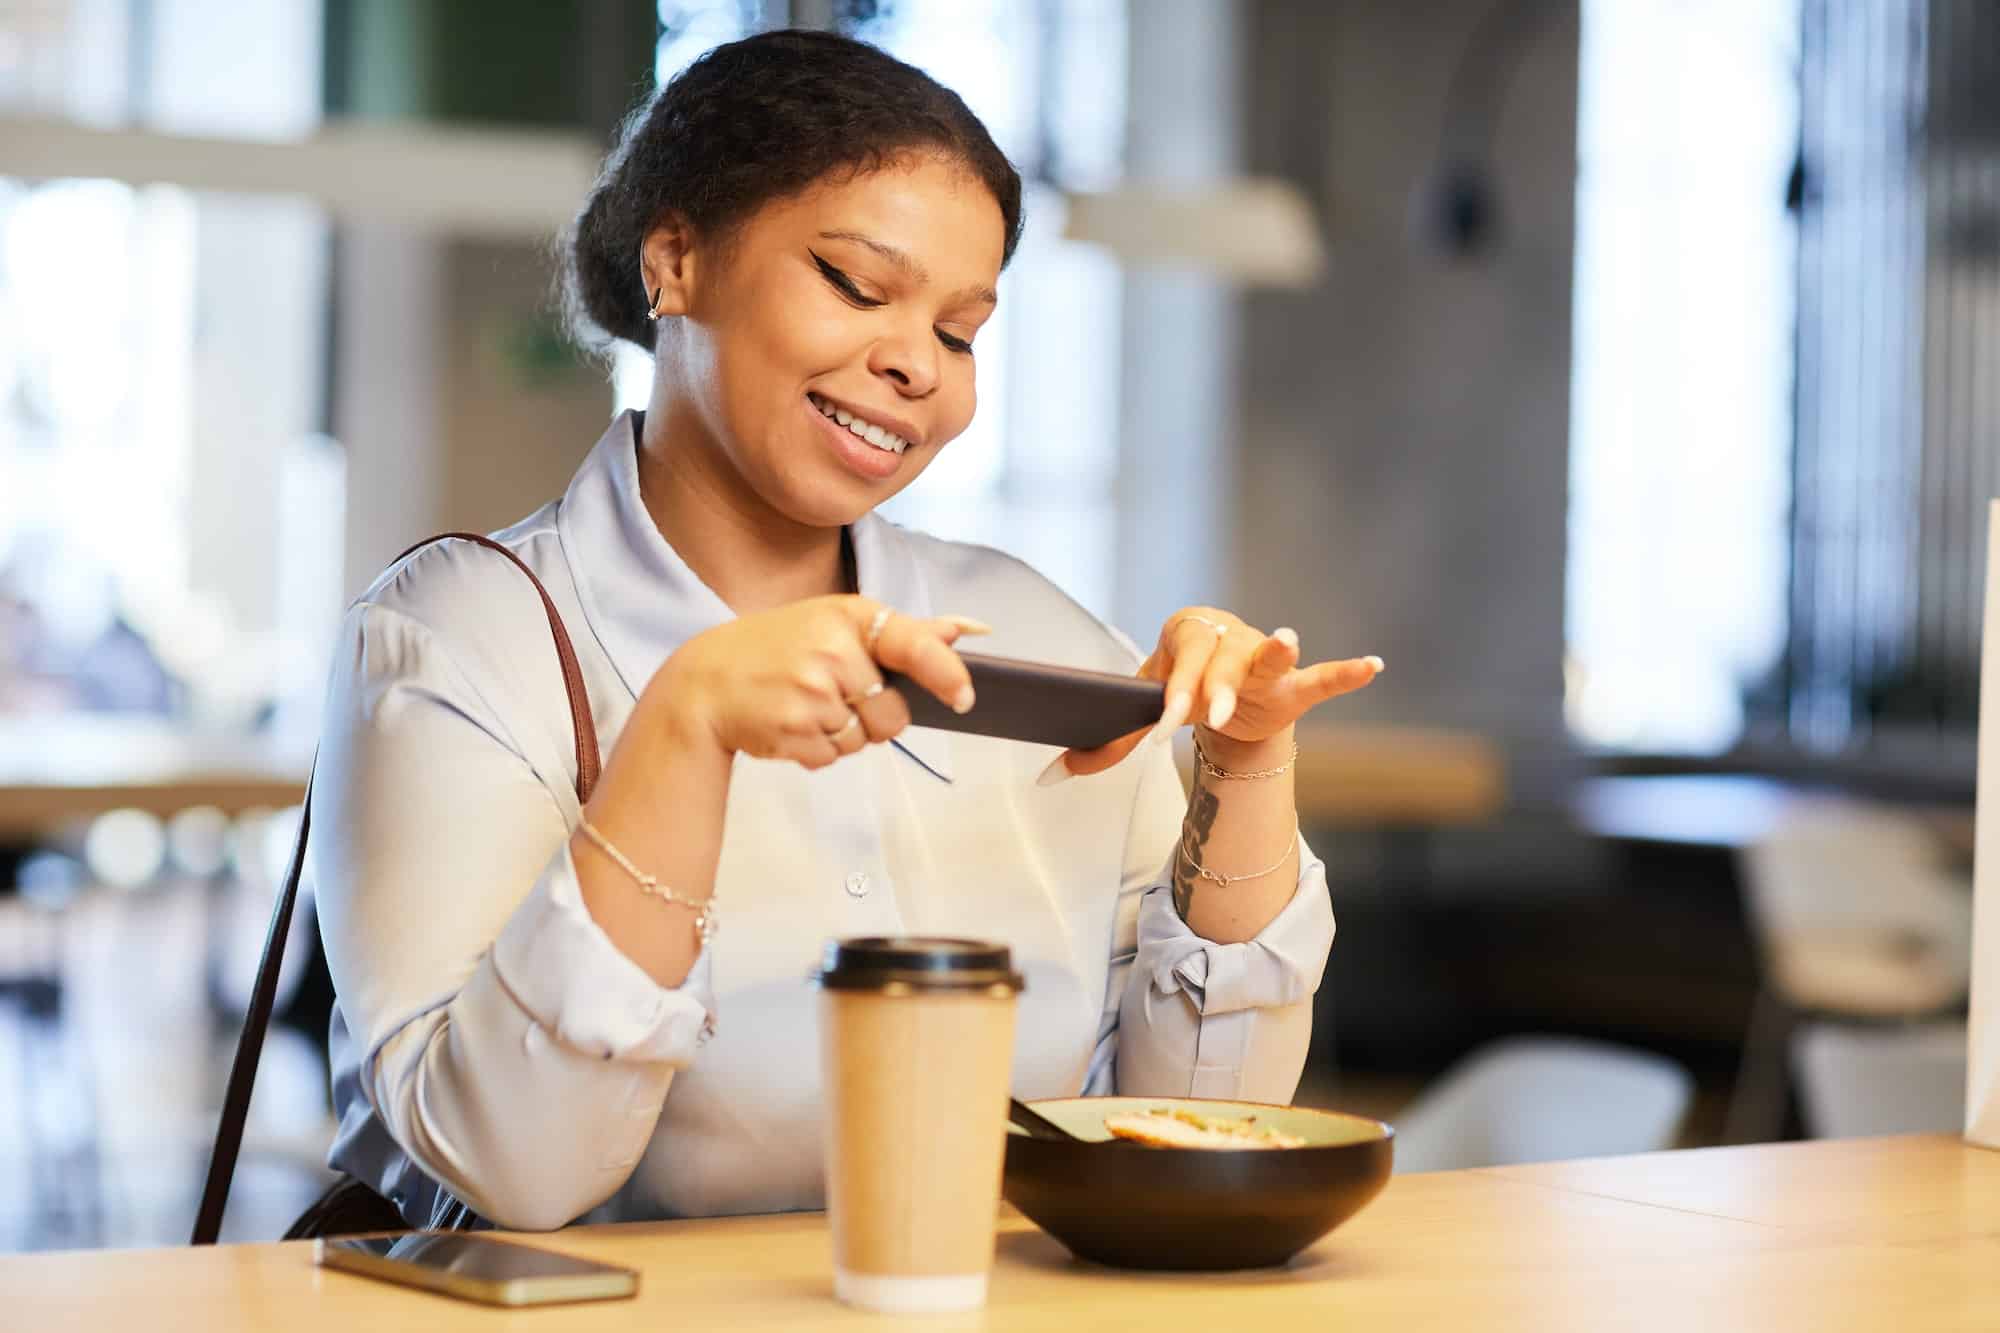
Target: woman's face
827 350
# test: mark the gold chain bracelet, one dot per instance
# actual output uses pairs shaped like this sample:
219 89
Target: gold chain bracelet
1215 770
705 924
1214 877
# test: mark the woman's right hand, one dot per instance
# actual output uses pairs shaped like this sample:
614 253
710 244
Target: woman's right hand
803 682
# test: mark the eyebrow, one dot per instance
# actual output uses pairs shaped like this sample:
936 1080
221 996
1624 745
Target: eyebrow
910 268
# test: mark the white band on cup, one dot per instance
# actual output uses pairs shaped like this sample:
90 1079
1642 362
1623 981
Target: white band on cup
907 1295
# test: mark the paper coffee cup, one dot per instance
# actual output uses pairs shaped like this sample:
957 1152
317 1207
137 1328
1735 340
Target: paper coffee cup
916 1045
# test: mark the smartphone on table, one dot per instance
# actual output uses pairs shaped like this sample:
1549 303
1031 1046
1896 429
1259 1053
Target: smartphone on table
477 1268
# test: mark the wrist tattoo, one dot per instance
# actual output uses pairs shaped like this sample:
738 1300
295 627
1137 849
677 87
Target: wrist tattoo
1199 822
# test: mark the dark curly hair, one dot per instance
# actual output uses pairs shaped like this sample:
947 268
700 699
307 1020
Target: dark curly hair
748 123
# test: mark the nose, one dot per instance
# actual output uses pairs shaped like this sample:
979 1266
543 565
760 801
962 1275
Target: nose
907 361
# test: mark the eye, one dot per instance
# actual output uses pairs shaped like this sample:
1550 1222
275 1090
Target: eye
953 344
844 284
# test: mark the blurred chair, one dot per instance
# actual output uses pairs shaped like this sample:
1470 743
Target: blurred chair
1860 923
1860 1081
46 1122
1543 1099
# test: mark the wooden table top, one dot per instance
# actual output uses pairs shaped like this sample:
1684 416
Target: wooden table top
1730 811
1874 1234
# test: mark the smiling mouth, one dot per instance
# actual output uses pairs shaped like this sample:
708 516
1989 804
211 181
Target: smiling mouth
887 441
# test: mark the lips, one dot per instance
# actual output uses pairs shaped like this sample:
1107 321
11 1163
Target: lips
870 462
880 434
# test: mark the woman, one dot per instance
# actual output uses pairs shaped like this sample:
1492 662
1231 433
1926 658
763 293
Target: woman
807 234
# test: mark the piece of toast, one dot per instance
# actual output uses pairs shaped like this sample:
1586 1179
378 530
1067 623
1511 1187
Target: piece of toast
1163 1127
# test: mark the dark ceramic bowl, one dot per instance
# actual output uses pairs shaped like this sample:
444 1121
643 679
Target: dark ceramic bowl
1131 1206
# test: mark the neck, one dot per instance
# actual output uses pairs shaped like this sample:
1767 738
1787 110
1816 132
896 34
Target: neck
750 555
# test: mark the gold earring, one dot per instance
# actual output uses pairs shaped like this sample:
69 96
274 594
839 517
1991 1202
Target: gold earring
653 306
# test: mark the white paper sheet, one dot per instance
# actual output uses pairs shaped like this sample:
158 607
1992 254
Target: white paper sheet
1982 1084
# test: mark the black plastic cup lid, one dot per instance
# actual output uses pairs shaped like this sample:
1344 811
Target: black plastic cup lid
917 962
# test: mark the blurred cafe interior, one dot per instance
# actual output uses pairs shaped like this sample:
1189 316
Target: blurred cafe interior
1620 371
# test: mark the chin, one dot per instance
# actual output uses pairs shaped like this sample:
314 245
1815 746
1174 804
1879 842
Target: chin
829 501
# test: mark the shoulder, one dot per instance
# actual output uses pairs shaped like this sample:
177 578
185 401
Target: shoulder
458 621
465 591
456 609
1032 617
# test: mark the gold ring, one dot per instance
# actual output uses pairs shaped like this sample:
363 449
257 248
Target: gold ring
853 720
853 700
875 627
1221 630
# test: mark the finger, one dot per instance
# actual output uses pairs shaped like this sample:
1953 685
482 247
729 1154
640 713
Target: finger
860 689
950 627
1194 644
915 648
824 715
1080 763
862 612
884 712
804 736
1278 654
1327 680
808 753
1227 669
850 735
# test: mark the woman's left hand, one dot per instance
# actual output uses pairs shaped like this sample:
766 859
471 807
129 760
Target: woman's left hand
1237 680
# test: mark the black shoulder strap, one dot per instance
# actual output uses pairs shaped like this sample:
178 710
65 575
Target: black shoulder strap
264 994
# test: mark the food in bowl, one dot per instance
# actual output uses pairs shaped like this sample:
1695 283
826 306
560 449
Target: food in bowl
1178 1127
1191 1208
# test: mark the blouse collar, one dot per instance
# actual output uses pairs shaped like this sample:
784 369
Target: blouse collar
642 601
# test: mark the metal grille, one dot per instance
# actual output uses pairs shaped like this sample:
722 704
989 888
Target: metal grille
1899 328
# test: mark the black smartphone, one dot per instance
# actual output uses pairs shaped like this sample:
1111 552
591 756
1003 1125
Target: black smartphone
1040 703
477 1268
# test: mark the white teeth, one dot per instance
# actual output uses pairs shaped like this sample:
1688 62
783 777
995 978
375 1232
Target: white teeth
874 434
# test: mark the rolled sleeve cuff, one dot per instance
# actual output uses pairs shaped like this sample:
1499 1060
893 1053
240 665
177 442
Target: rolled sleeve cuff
1281 965
562 968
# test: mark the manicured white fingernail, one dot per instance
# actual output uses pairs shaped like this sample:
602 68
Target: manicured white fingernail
1057 771
967 625
1375 662
1222 708
961 703
1178 704
1288 634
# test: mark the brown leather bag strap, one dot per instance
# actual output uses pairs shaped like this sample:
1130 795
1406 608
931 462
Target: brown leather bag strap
582 727
264 992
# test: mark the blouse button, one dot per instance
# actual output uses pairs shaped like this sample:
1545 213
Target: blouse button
857 885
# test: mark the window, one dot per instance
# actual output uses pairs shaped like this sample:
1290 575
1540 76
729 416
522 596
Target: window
1033 475
170 525
1681 422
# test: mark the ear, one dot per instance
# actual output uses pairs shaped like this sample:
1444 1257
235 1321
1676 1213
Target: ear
667 264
